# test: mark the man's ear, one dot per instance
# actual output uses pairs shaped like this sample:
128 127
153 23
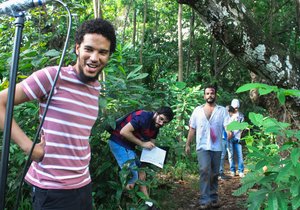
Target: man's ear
77 49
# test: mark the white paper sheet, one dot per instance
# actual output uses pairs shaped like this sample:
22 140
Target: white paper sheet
155 156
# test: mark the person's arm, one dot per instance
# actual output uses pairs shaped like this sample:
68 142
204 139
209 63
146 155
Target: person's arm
189 140
17 134
127 133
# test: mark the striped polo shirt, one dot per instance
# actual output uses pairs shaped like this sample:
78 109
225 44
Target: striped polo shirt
71 115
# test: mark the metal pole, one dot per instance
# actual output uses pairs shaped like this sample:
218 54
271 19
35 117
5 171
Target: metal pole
19 23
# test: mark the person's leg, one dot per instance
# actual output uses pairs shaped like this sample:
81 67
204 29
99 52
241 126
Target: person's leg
215 160
86 199
231 156
74 199
204 161
239 152
224 146
143 188
123 157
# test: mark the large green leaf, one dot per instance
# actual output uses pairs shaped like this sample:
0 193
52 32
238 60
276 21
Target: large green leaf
273 201
135 72
281 96
290 92
295 189
256 119
295 154
237 126
296 202
250 86
180 85
52 53
256 198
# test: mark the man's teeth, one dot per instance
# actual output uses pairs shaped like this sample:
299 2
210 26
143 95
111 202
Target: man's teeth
91 66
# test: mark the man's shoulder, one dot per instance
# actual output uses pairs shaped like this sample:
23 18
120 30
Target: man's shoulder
144 114
140 113
52 71
220 107
201 106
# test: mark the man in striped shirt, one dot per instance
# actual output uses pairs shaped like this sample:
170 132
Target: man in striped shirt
59 172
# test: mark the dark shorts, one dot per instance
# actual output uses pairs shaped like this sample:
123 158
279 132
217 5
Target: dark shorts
75 199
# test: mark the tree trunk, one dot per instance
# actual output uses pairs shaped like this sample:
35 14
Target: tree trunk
232 25
191 42
97 9
180 64
125 21
143 33
134 28
180 51
246 41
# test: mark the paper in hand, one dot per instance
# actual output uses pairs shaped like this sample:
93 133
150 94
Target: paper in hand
155 156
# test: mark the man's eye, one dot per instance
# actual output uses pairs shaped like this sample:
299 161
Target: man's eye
104 52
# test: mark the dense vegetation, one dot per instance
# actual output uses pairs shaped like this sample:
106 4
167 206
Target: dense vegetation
143 73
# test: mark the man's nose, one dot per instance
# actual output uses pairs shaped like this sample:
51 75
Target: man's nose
161 123
95 57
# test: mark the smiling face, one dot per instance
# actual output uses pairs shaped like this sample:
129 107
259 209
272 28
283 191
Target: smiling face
92 56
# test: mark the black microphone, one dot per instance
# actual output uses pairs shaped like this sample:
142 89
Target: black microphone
13 7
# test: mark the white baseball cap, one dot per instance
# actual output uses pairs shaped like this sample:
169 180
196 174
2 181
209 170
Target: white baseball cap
235 103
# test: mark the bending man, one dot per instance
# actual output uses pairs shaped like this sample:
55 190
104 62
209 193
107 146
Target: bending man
138 128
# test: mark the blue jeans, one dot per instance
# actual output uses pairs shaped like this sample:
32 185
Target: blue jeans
225 149
122 156
235 148
209 165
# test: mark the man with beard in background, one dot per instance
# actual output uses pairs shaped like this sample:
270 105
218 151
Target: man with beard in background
207 121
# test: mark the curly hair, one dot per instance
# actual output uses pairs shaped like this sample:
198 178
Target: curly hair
213 86
98 26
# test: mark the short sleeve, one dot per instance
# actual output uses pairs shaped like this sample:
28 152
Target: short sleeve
137 119
39 84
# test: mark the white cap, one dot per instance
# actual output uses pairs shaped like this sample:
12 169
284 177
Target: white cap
235 103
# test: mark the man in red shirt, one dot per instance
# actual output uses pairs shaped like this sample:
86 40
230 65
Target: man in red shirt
138 128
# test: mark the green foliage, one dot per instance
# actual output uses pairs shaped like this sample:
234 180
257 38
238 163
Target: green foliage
273 180
130 85
264 89
17 159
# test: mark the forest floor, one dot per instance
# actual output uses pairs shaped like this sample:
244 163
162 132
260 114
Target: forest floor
184 194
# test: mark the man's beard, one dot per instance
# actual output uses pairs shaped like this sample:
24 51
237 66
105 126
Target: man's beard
82 77
156 125
210 100
86 79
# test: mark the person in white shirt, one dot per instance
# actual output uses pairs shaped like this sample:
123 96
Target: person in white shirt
207 122
234 145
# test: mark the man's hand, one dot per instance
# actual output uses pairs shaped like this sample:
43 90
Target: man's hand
39 151
187 149
148 145
190 137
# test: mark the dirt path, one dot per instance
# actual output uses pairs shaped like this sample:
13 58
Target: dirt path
184 195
